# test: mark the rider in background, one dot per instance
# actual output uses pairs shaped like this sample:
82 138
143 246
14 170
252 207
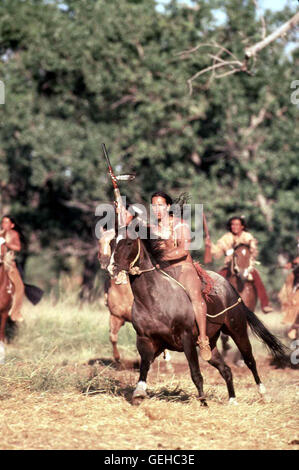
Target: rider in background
10 238
237 234
289 298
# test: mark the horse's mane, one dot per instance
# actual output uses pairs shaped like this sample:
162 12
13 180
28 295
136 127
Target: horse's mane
152 246
155 252
154 249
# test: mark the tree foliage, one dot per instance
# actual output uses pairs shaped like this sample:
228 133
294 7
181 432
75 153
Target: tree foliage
79 73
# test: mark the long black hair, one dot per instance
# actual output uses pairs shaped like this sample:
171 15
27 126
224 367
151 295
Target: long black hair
165 196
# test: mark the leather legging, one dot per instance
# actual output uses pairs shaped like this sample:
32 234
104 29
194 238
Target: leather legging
15 278
187 275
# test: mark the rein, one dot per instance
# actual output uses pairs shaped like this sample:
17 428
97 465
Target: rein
135 270
226 309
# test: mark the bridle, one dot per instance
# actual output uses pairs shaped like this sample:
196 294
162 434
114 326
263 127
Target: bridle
135 270
235 268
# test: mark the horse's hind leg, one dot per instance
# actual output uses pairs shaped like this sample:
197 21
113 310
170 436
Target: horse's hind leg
243 343
225 371
192 357
225 346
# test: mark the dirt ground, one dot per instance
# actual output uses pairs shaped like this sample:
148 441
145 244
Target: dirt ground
101 416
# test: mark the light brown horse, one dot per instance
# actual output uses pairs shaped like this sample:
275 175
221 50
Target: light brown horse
119 303
5 296
119 297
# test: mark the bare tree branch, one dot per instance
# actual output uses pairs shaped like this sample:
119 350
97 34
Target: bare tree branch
213 67
264 31
281 31
236 65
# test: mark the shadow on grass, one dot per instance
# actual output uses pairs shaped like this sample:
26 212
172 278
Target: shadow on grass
175 395
283 363
121 365
98 384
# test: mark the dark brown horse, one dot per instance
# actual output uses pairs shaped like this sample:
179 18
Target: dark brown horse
5 297
238 274
163 317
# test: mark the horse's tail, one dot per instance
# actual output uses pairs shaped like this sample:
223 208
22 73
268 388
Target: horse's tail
278 350
11 329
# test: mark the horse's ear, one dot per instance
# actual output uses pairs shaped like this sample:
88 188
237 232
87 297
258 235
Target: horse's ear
137 228
133 232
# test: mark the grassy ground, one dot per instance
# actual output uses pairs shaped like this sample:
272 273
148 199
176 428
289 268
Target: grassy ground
59 389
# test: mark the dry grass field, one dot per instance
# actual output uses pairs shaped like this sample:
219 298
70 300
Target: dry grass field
59 389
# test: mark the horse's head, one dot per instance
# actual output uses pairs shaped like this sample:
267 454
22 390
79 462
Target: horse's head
241 262
106 247
126 255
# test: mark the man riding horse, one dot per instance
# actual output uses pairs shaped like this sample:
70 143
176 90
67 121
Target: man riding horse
175 238
237 235
173 241
10 240
289 298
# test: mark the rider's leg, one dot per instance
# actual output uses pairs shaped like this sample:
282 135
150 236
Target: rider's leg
14 276
190 280
293 331
261 291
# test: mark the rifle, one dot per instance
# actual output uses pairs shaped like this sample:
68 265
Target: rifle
208 254
117 197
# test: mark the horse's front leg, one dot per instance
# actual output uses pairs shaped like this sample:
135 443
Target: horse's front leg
115 324
147 353
192 357
4 317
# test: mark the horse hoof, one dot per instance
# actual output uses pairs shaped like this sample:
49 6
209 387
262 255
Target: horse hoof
262 389
136 401
203 402
233 401
139 393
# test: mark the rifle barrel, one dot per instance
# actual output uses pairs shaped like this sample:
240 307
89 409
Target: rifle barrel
106 155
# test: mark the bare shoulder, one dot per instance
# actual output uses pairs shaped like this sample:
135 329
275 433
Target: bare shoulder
13 235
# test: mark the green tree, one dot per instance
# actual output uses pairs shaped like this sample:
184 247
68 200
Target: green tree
79 73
